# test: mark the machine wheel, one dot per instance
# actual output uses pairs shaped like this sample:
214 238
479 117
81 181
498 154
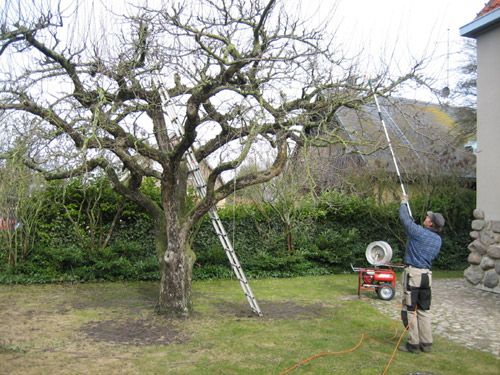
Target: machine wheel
386 292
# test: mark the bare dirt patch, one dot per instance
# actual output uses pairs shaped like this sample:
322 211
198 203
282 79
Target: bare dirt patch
275 310
133 332
93 296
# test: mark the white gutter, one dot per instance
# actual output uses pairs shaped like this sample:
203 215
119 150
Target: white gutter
481 24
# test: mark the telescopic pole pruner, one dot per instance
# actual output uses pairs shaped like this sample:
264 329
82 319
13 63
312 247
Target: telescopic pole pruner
390 146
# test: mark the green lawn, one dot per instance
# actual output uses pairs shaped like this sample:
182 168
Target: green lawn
111 328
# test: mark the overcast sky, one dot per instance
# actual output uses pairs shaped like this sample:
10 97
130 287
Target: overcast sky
399 31
395 32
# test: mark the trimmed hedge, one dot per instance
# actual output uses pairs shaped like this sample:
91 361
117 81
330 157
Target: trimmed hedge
341 229
331 233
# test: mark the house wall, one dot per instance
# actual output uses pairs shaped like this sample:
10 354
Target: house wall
488 127
484 256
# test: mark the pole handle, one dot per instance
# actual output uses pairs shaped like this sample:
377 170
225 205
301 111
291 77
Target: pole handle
389 143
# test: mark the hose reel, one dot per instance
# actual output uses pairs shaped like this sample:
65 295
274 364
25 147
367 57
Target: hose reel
378 253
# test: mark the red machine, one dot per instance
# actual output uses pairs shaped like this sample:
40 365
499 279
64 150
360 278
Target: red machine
380 279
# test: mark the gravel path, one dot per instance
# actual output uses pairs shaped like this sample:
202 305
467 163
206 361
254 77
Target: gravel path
461 313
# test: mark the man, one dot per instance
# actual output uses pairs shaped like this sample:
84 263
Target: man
422 248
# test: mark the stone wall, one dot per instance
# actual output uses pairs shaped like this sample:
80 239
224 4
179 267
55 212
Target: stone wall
484 257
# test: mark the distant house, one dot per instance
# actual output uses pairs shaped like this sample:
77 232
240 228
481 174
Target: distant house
7 223
484 256
423 136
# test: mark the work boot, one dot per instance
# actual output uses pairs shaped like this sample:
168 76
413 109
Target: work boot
426 348
409 348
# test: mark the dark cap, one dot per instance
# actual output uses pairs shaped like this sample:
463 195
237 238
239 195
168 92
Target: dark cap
437 219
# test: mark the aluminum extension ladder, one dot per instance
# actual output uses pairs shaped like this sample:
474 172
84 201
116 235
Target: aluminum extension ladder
201 189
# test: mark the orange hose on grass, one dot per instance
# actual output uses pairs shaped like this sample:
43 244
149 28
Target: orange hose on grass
323 354
387 366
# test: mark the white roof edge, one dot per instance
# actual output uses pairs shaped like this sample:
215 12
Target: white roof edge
475 27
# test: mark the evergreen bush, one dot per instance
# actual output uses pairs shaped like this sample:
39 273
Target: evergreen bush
332 234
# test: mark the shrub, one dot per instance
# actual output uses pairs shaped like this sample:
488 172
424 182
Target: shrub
331 234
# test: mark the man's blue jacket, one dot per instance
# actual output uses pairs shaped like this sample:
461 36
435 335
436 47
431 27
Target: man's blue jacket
423 244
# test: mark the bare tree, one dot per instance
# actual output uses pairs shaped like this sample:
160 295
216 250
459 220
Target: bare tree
242 76
466 92
21 204
281 198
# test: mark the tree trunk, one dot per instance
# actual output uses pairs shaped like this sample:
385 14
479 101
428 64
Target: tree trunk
12 246
176 278
175 255
289 242
289 238
116 218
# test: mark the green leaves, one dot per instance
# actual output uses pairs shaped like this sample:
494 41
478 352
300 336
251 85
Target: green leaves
330 234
